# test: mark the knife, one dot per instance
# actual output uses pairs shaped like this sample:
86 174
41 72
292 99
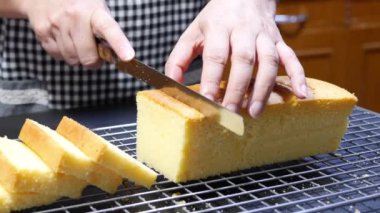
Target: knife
228 119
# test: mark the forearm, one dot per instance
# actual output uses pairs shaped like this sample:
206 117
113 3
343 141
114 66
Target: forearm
12 8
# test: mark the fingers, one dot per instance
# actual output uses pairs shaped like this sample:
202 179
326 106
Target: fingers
66 30
215 55
242 62
85 44
50 45
293 68
44 34
65 45
266 75
105 26
184 52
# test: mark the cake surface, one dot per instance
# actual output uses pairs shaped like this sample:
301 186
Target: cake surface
104 178
21 170
58 153
19 201
105 153
67 186
5 200
181 143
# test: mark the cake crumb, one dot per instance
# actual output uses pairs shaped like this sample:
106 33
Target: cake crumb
176 194
179 202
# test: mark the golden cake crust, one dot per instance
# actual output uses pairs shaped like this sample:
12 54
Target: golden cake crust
282 94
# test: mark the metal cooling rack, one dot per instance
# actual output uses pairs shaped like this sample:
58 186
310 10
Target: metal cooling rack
345 181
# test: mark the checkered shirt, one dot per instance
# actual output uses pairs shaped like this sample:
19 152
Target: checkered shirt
152 26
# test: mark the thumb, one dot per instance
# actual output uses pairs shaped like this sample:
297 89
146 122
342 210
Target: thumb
105 26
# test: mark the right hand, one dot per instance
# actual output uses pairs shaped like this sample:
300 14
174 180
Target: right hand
246 31
66 30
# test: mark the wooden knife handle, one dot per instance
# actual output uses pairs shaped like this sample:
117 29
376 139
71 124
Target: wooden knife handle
105 51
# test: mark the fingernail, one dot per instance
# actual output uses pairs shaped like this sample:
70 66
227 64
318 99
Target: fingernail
232 107
128 54
256 109
304 90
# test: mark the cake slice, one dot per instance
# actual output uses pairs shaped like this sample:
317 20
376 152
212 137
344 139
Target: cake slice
5 200
23 171
67 186
183 144
104 178
64 157
106 154
58 153
19 201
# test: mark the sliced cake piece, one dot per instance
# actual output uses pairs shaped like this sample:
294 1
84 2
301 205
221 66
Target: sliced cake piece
104 178
106 154
183 144
5 200
64 157
19 201
67 186
58 153
21 170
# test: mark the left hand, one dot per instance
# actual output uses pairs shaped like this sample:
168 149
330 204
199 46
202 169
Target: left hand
244 30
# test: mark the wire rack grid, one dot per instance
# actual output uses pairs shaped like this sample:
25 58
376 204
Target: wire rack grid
345 181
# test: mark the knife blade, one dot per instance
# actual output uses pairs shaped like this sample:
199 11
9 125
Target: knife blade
228 119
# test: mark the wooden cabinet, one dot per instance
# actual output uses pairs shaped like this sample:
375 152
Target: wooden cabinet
339 42
364 52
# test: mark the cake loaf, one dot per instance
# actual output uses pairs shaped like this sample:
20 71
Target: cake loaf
183 144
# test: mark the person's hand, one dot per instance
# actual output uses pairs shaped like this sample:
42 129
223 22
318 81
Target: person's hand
244 30
66 29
